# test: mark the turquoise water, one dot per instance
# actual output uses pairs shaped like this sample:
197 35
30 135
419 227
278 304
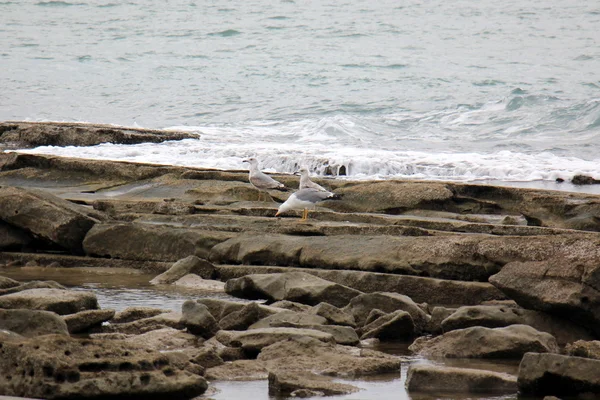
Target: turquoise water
456 90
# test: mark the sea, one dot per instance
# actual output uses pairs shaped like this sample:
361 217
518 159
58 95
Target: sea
459 90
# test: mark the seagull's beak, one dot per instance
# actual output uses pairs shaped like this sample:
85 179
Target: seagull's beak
297 173
277 214
245 160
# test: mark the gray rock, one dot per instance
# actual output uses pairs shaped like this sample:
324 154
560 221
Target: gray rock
333 314
198 319
183 267
254 340
242 319
438 314
47 216
140 326
208 358
59 301
6 283
85 320
131 314
436 378
286 383
291 305
288 317
32 285
559 375
32 323
397 325
166 339
295 286
12 238
191 281
220 308
361 306
586 349
477 342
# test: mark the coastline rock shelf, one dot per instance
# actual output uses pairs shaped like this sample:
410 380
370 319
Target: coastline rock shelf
458 271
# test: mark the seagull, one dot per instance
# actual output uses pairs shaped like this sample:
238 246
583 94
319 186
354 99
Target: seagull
306 183
260 180
306 198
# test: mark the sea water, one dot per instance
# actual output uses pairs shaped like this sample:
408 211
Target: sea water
452 90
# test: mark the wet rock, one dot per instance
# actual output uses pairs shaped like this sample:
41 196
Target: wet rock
584 180
220 308
226 353
438 315
195 282
253 341
333 314
561 287
310 354
242 319
291 305
57 366
32 285
287 318
140 326
294 286
131 314
393 326
436 378
60 301
586 349
198 319
183 267
286 383
239 370
32 323
373 315
478 342
361 306
33 134
165 339
499 316
46 216
6 283
559 375
344 335
133 241
85 320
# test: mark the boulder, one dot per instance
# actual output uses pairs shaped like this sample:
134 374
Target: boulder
85 320
242 319
32 285
560 286
6 283
59 367
253 341
559 375
477 342
194 282
438 315
133 241
208 357
287 383
183 267
294 286
498 316
44 215
586 349
165 339
131 314
198 319
59 301
361 306
32 323
12 238
326 358
333 314
288 318
291 305
442 379
220 308
344 335
238 370
396 325
137 327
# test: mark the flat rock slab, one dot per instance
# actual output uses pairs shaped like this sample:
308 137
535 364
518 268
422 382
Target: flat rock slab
195 282
59 301
565 287
47 216
477 342
292 384
300 287
85 320
150 242
32 323
558 375
59 367
183 267
20 134
256 339
435 378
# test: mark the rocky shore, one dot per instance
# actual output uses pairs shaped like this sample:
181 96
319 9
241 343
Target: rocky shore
460 271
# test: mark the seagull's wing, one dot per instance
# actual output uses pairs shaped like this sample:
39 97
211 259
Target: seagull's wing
314 195
264 182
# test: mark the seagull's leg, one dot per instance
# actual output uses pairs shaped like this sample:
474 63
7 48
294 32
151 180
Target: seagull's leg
304 213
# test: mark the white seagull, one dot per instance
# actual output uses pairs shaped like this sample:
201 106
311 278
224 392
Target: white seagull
305 199
306 183
260 180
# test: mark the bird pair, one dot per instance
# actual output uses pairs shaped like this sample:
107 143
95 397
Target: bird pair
308 195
